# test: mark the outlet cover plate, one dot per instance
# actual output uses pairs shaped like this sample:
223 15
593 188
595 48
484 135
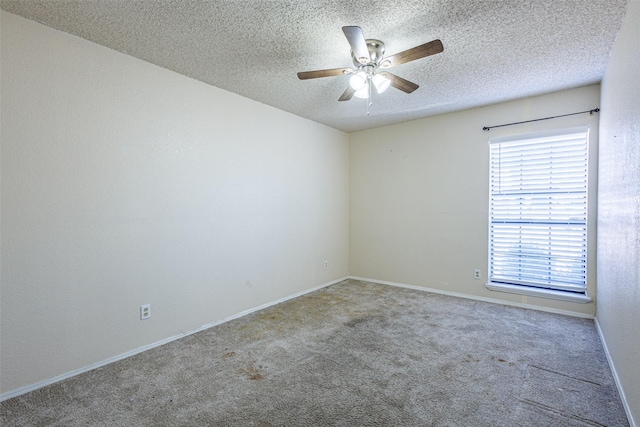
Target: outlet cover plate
145 311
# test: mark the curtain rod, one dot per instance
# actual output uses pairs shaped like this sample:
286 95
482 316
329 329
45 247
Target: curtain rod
595 110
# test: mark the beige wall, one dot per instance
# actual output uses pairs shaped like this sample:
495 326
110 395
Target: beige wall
125 184
419 195
619 210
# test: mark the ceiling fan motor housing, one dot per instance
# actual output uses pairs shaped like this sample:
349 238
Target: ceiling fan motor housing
376 52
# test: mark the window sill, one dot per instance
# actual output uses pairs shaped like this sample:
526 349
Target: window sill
537 292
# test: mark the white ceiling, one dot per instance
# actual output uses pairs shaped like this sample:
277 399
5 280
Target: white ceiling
494 50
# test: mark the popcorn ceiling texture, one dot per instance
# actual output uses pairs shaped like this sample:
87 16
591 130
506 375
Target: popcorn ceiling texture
494 51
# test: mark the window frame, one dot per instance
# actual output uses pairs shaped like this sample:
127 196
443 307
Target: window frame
536 289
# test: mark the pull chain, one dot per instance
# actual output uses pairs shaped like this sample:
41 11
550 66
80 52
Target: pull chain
369 102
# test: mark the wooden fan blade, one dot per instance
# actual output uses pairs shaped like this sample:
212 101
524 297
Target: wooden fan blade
348 94
358 44
304 75
414 53
400 83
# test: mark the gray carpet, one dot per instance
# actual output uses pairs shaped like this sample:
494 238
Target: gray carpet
352 354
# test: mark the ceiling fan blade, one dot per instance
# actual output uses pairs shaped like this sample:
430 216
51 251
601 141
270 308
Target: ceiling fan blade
427 49
304 75
400 83
358 44
348 94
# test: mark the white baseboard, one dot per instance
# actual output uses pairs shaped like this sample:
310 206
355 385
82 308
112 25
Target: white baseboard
625 403
32 387
477 298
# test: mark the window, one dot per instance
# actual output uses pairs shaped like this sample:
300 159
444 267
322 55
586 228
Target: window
538 214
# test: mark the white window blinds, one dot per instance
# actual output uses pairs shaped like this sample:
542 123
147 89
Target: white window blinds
538 211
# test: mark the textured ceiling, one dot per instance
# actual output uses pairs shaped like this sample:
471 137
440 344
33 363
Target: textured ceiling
493 50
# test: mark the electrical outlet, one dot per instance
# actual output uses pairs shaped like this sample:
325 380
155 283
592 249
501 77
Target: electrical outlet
145 311
477 274
326 265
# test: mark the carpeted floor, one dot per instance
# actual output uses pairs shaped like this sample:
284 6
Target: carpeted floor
352 354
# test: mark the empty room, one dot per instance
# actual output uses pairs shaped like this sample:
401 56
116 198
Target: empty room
298 213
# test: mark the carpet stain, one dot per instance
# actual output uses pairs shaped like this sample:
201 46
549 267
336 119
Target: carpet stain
252 372
228 354
501 360
366 318
353 322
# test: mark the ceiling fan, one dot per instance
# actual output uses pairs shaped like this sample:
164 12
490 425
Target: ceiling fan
368 58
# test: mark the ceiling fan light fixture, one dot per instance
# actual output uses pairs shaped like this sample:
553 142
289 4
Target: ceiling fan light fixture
381 83
358 80
368 58
363 92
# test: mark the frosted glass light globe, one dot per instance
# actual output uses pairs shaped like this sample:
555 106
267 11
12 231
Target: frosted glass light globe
362 93
358 80
381 83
